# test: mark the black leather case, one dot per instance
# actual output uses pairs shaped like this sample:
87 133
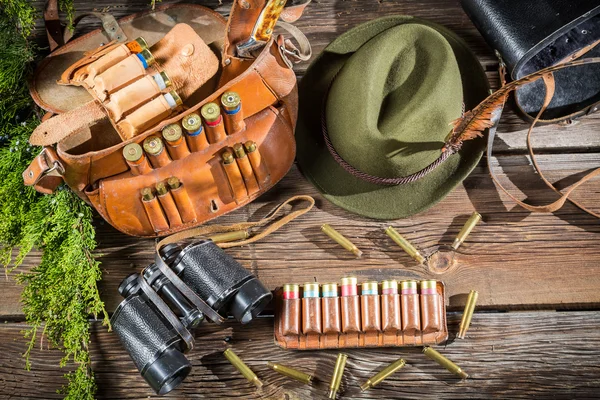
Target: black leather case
533 34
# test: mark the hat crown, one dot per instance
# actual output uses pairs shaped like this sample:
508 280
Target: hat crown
389 107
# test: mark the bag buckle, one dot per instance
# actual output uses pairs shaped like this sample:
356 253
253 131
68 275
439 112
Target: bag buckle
45 171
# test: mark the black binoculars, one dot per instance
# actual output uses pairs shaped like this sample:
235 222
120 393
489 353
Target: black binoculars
173 296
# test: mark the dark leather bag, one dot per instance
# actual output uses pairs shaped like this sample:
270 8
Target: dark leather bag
529 35
81 144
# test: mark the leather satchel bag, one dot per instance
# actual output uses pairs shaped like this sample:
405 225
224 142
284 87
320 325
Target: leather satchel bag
96 114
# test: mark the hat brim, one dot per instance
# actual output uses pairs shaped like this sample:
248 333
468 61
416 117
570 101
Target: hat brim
354 194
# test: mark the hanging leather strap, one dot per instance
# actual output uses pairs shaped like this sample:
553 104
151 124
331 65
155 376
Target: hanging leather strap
59 36
270 221
564 196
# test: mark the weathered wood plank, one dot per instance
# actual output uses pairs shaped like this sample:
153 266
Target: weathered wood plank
508 355
515 259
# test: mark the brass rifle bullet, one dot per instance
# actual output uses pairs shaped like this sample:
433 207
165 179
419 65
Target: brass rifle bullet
405 245
341 240
147 194
466 229
242 367
383 374
465 322
444 362
230 236
338 371
291 373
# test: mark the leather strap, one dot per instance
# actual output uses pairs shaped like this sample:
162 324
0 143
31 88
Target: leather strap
59 36
45 172
166 311
554 206
289 50
204 231
293 12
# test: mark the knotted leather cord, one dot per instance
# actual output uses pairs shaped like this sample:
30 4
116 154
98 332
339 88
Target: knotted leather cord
203 231
549 85
403 180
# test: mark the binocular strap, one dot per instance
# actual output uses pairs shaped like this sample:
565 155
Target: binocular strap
167 312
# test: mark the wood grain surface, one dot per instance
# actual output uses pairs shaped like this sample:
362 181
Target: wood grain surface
515 259
507 355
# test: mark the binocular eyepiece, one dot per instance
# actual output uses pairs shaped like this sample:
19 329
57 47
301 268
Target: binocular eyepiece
151 332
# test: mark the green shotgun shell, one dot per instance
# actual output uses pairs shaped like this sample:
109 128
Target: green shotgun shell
338 371
465 322
147 194
230 101
341 239
466 229
405 245
242 367
211 112
173 182
444 362
153 145
230 236
133 152
291 373
383 374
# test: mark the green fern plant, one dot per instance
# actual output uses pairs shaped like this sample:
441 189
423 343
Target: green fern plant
61 292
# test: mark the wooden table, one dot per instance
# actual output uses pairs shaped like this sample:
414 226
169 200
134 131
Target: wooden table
535 332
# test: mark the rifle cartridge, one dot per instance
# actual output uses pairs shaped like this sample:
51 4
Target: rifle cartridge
291 373
242 367
405 244
466 230
341 240
444 362
230 236
383 374
465 322
338 371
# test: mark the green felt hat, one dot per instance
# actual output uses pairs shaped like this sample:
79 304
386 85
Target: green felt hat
383 95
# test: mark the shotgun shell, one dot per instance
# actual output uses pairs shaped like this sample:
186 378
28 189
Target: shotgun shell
242 367
338 371
231 102
311 290
153 146
330 290
429 287
211 113
466 229
192 123
291 372
172 133
230 236
349 286
146 58
162 80
133 152
444 362
465 322
291 291
173 99
147 194
383 374
408 287
173 182
405 245
369 288
389 287
137 46
341 239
